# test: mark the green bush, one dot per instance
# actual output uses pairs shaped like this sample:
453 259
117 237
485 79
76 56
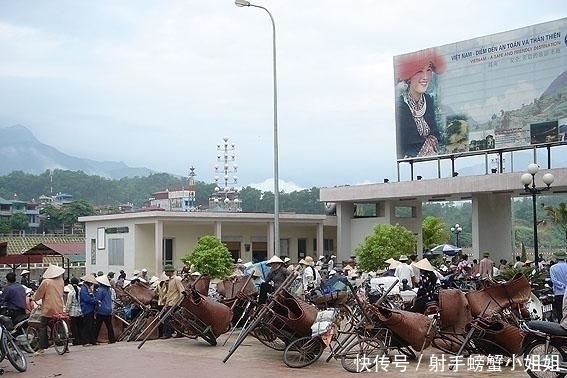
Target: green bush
210 257
386 241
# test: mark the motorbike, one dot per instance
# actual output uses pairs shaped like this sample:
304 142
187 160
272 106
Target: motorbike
9 347
545 349
17 328
541 302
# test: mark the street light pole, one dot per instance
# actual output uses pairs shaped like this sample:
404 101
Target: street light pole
243 3
457 229
528 179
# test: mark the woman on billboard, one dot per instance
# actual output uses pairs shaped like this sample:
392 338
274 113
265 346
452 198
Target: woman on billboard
416 123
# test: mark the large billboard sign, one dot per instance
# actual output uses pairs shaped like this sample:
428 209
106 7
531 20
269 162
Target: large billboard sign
502 91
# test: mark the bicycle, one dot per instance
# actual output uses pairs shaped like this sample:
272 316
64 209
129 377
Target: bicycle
58 334
9 347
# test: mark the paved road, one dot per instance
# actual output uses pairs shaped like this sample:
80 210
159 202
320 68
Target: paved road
186 357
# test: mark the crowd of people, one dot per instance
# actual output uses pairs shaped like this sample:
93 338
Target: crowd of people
89 301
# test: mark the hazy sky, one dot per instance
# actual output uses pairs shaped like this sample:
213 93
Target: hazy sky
160 83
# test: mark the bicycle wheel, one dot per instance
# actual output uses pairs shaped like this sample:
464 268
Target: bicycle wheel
303 351
450 344
60 336
268 338
363 355
540 362
32 336
209 336
13 352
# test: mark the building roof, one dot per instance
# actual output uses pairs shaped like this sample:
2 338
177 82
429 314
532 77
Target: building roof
19 244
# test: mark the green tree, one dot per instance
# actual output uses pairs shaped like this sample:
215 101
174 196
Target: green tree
51 218
5 227
434 232
210 257
385 241
73 210
558 216
19 222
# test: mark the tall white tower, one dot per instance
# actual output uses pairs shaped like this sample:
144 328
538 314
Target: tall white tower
225 198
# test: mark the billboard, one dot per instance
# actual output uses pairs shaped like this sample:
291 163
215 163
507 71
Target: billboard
502 91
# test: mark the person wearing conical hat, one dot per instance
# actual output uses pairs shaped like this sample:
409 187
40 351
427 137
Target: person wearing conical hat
404 272
50 293
25 279
310 276
88 303
103 312
174 293
161 290
275 277
427 287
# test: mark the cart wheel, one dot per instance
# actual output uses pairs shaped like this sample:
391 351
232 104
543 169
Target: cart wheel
209 336
303 352
363 355
408 352
268 338
450 344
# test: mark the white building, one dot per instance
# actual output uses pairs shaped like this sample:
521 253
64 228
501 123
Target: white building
152 239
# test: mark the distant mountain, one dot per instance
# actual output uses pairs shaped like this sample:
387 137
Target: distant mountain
21 151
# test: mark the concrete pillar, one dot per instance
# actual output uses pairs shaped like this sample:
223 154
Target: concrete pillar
320 242
158 246
270 233
218 230
492 226
345 214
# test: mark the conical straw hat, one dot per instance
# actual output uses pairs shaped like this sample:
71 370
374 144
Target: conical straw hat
53 271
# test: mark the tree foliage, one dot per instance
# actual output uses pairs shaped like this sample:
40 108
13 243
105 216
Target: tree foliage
210 257
434 232
558 216
384 242
19 221
108 194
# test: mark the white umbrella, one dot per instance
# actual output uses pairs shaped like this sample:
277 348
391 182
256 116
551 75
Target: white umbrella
447 249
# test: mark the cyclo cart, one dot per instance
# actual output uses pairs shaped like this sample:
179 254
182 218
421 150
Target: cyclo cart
280 321
194 315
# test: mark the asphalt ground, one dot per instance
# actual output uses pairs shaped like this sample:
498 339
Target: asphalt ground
185 357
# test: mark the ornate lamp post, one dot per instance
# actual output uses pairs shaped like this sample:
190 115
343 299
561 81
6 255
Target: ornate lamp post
528 180
457 229
244 3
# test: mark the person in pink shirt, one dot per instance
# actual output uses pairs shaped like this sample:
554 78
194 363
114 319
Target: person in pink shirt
485 266
50 292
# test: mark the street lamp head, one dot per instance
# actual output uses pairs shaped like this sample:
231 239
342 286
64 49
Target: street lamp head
533 168
527 179
548 179
242 3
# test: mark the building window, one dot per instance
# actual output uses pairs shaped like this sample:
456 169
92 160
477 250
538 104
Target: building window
328 245
115 251
284 247
167 256
301 248
100 238
93 251
365 210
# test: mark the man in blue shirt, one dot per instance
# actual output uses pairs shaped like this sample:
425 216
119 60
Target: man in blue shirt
558 275
13 298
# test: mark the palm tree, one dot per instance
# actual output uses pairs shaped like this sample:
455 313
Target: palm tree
434 232
558 216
